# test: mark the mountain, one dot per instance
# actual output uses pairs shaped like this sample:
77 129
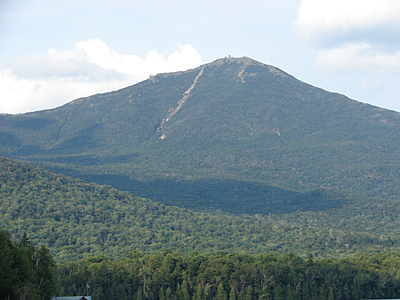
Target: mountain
234 134
77 219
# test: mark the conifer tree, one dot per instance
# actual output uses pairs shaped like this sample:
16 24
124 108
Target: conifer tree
221 293
249 293
8 274
232 294
199 293
265 294
25 272
168 294
184 293
207 291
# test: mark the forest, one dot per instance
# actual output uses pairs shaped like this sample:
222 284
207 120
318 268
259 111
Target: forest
62 235
27 272
221 276
77 219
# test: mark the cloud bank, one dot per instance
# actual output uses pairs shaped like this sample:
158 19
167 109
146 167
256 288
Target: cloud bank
38 82
341 20
361 57
353 35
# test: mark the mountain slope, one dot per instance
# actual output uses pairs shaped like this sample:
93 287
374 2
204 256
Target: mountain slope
233 122
76 219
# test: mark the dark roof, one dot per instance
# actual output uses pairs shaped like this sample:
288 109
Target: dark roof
72 298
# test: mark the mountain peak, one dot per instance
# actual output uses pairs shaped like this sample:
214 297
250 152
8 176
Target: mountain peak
229 59
244 62
234 117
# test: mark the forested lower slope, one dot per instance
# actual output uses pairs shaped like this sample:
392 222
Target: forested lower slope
76 219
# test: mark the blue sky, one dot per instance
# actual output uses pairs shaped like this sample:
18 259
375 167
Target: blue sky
52 52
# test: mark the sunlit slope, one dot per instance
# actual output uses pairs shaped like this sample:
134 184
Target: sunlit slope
224 125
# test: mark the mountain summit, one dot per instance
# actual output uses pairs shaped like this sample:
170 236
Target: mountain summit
231 129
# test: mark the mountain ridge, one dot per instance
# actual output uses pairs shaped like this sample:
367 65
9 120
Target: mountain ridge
232 120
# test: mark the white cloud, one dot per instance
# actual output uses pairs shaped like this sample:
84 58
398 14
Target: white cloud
321 20
40 82
357 57
356 35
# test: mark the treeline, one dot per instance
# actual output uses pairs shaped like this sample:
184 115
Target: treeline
26 272
172 275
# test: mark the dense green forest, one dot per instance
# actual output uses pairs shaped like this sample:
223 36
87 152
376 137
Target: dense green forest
26 272
220 276
76 219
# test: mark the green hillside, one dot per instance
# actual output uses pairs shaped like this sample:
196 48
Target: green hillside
235 135
76 219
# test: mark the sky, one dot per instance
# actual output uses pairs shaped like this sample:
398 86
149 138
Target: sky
54 51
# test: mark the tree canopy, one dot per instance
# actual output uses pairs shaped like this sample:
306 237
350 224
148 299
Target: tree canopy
26 272
173 275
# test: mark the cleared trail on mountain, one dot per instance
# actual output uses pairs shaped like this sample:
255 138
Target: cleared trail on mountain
186 95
